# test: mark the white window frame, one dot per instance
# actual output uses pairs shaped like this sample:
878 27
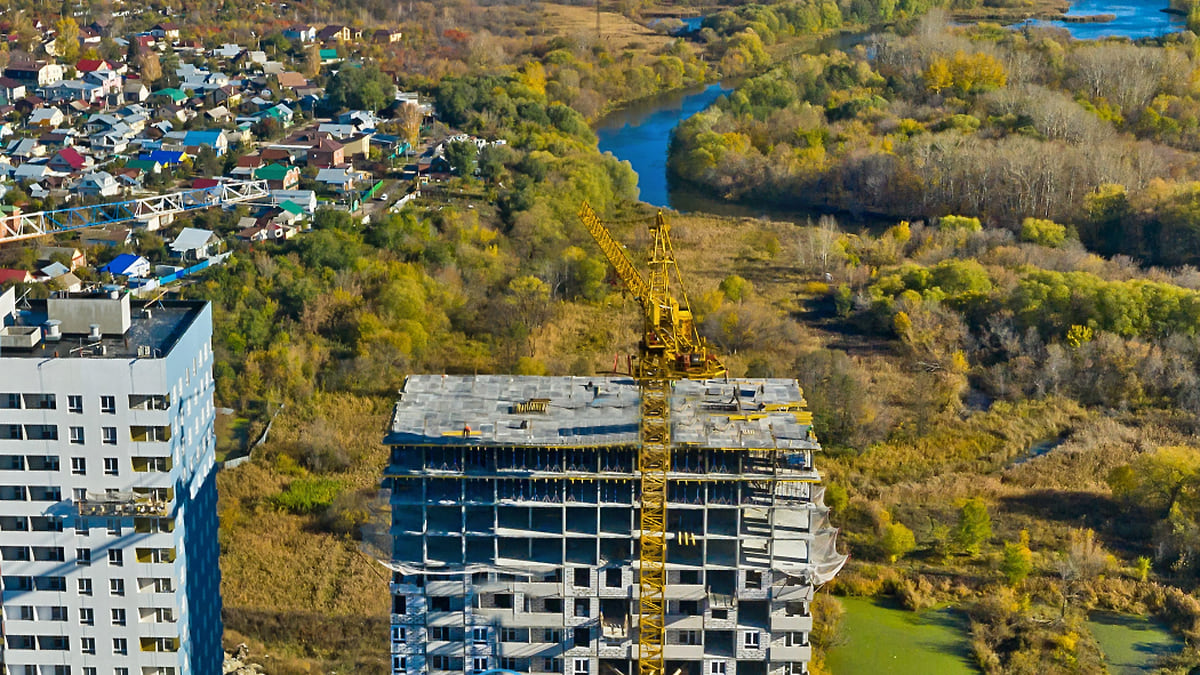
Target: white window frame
399 635
479 636
120 647
580 666
716 668
479 664
108 435
752 639
79 466
108 405
87 616
116 587
76 435
74 403
112 466
119 617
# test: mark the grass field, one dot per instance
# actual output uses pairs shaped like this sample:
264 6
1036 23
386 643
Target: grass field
616 31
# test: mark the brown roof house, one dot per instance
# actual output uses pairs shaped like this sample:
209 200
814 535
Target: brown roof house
326 153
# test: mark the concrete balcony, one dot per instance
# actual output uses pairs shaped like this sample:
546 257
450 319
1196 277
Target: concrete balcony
791 623
688 652
791 653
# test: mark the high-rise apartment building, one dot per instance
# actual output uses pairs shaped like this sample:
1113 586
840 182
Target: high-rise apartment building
515 525
108 525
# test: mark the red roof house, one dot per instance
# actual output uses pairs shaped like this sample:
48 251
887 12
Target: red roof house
15 276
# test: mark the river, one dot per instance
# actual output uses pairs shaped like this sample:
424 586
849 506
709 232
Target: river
641 133
1134 19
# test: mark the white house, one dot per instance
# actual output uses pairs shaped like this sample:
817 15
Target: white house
194 244
98 184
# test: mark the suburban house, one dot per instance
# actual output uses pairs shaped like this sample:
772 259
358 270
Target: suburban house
326 153
333 33
11 89
135 92
144 165
11 276
278 176
291 80
194 244
305 199
98 184
128 265
69 160
342 179
34 73
47 118
300 33
385 36
119 236
75 257
166 31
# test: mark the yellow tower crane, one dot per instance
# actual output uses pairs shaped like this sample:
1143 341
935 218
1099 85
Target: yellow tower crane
670 349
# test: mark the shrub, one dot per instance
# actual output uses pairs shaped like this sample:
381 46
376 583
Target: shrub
308 495
965 223
1043 232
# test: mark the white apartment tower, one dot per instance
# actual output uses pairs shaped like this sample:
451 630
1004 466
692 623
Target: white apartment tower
108 526
515 527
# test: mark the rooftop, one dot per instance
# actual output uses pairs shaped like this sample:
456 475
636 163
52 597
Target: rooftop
153 328
595 411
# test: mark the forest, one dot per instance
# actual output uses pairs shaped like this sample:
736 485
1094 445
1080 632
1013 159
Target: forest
1000 124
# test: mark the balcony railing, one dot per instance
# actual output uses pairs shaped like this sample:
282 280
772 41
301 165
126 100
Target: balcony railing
121 504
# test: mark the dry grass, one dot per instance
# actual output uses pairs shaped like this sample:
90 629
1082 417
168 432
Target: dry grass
617 32
308 598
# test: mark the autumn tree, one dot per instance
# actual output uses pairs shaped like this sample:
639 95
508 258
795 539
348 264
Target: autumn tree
66 43
409 118
149 67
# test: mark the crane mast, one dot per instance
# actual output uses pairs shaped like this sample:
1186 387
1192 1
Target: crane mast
671 348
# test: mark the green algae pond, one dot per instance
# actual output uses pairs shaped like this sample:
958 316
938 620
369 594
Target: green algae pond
879 637
1131 644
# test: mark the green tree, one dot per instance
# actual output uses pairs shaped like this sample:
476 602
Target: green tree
736 288
365 88
1017 561
462 156
974 526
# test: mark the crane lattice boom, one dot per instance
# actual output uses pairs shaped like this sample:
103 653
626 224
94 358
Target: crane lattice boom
671 348
41 223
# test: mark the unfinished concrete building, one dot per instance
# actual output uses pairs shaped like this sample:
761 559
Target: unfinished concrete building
515 526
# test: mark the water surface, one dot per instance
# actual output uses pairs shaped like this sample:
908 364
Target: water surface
1134 19
641 133
1132 644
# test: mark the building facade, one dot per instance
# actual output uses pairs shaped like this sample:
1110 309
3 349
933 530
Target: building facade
515 521
108 526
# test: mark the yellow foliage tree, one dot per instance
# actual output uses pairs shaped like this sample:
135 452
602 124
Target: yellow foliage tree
938 75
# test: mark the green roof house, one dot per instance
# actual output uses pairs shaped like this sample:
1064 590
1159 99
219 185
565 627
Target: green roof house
278 176
175 95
